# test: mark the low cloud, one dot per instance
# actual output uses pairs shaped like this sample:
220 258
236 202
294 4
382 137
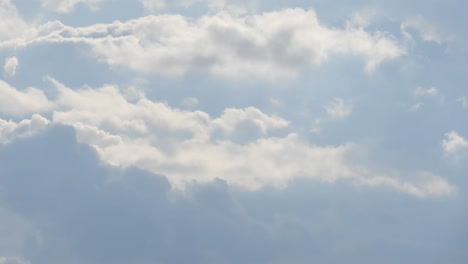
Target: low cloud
9 67
78 209
453 143
267 45
244 147
18 103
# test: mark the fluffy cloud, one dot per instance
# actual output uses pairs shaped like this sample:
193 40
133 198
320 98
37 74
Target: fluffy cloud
20 103
9 130
453 143
10 66
269 45
339 109
79 210
11 24
66 6
244 147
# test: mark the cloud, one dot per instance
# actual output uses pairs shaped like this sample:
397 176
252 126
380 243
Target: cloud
10 66
20 103
339 109
453 143
78 209
426 92
9 130
67 6
11 24
267 45
426 30
244 147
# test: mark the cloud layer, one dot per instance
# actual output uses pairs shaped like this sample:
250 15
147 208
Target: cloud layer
215 131
240 146
268 45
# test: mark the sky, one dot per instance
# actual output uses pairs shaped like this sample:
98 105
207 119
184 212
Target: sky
233 131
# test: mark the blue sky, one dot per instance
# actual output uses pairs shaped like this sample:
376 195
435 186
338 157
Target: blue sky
232 131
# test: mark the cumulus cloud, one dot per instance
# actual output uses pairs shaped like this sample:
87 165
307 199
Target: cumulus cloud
339 109
11 24
9 68
67 6
453 143
269 45
77 210
244 147
9 130
20 103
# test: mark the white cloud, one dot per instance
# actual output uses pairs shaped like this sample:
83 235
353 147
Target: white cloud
453 143
11 23
428 184
269 45
10 66
67 6
19 103
238 146
339 109
426 92
10 130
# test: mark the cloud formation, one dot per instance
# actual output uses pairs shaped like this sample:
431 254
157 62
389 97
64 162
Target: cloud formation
453 143
232 132
9 68
79 212
244 147
267 45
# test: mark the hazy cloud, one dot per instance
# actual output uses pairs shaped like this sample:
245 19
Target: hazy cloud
339 109
9 68
66 6
453 143
426 92
268 45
